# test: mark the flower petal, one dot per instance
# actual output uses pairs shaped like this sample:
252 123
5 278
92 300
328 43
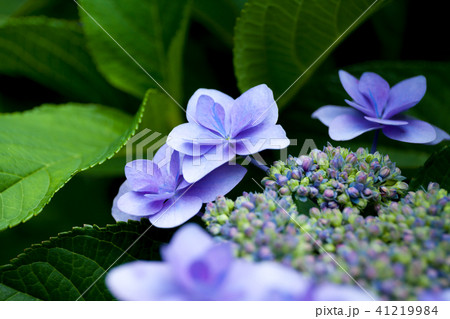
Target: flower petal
176 211
192 139
143 175
219 182
441 135
328 113
252 108
205 274
224 100
416 131
375 89
195 168
187 244
404 95
366 110
143 281
265 281
332 292
346 127
385 122
261 137
350 84
163 156
117 214
137 204
211 115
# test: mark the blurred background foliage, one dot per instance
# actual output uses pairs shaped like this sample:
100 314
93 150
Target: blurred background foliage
49 55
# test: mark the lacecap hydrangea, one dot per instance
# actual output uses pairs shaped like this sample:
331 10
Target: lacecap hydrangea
338 178
401 254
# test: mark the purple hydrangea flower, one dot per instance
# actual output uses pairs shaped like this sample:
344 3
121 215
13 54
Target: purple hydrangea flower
219 128
157 190
376 106
443 295
195 267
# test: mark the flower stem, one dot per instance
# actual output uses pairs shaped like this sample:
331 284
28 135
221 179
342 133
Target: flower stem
375 141
259 165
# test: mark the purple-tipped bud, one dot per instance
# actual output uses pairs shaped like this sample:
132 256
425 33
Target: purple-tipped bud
296 174
351 158
302 191
306 162
265 253
364 166
374 230
313 192
384 172
367 193
337 162
281 179
284 190
375 165
361 177
269 183
329 194
248 205
353 192
314 212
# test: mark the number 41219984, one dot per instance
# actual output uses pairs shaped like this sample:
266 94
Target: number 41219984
407 311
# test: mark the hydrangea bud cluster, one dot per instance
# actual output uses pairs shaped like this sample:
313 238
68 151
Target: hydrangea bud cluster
338 178
400 254
262 225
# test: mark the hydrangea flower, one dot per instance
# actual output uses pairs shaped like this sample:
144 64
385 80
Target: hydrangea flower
377 106
219 128
157 190
194 267
401 252
338 177
443 295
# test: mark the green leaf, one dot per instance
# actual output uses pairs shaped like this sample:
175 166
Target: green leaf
9 294
50 8
276 41
41 149
151 33
160 117
65 267
219 16
7 8
436 169
53 53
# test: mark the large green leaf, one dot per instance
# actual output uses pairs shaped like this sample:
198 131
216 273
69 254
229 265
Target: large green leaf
50 8
9 294
53 53
219 16
64 267
41 149
276 41
160 117
326 89
436 169
150 33
7 8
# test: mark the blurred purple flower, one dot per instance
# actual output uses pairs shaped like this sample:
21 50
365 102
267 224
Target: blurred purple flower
377 106
435 296
219 128
194 267
156 190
